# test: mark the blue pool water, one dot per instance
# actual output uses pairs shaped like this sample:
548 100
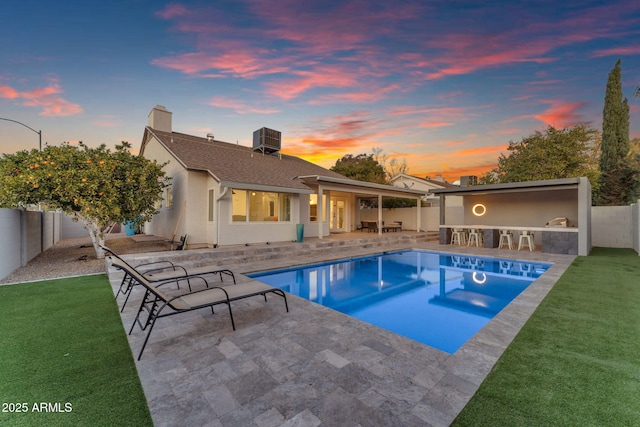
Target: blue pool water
437 299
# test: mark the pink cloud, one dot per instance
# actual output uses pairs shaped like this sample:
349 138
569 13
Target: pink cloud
239 106
561 114
8 92
46 98
617 51
172 11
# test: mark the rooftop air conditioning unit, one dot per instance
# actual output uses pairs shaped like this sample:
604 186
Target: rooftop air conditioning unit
267 140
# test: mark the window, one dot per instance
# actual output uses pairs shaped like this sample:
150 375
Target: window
313 208
239 205
260 206
211 204
168 196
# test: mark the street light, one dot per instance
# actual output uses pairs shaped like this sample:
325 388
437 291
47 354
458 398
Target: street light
39 132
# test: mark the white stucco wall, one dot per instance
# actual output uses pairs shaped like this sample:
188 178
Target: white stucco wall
612 226
429 217
165 222
532 209
10 229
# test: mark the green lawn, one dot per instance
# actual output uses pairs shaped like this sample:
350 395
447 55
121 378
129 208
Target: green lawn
63 345
576 362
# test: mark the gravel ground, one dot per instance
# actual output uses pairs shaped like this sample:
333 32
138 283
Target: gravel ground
74 257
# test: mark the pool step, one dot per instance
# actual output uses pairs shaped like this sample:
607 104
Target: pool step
253 253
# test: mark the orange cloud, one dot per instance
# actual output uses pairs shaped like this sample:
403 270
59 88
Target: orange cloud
561 114
46 98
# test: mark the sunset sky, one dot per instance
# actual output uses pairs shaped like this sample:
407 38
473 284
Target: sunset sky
443 84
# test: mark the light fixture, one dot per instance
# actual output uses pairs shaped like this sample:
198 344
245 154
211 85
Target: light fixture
481 280
479 209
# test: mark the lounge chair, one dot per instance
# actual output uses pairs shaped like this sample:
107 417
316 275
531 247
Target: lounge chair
162 271
155 301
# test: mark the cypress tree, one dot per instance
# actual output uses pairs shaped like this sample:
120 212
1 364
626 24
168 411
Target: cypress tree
615 123
615 138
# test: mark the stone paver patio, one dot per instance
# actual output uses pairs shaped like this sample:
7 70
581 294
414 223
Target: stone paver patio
314 366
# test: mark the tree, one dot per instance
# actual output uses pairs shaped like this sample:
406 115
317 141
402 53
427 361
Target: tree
361 167
615 164
96 186
392 167
552 154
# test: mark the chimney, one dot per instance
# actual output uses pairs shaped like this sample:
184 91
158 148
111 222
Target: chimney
160 119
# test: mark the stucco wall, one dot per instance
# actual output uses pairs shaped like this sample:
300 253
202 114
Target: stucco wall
10 253
166 221
532 209
635 225
612 226
429 217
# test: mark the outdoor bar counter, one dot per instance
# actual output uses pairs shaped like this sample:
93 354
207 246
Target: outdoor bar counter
555 240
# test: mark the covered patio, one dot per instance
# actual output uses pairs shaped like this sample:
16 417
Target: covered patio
345 197
530 207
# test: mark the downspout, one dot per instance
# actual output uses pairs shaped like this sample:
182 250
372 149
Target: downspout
216 240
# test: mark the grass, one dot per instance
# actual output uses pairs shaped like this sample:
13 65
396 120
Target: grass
577 360
63 345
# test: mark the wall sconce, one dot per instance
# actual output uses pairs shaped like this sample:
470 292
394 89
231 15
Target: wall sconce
479 209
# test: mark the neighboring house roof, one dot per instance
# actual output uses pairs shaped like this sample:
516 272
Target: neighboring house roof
431 182
235 165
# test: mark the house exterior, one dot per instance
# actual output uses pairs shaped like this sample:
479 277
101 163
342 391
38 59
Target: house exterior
423 184
228 194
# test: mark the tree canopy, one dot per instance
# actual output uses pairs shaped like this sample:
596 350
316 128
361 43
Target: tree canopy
552 154
362 167
96 186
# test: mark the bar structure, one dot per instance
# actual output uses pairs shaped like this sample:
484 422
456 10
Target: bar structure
557 211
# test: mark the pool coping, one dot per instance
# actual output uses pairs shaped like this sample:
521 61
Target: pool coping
351 372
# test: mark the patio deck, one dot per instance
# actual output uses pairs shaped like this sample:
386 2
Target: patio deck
314 366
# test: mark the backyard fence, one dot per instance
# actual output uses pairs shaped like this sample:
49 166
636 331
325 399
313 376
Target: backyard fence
26 234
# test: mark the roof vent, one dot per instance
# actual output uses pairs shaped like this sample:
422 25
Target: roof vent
210 137
267 140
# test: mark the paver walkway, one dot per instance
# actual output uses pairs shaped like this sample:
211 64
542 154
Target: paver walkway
314 366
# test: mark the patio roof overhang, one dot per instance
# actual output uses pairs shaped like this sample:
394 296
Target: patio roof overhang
262 187
360 188
510 187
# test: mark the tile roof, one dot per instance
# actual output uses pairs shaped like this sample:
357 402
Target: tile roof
234 163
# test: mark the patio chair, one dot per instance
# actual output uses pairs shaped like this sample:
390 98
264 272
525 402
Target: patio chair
156 302
182 244
162 271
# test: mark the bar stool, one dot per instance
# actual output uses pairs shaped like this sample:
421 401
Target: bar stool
475 235
458 236
505 267
526 238
506 237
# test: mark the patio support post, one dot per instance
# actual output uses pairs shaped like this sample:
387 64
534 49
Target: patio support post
380 214
418 222
320 212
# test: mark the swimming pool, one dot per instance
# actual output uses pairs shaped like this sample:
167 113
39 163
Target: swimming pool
437 299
